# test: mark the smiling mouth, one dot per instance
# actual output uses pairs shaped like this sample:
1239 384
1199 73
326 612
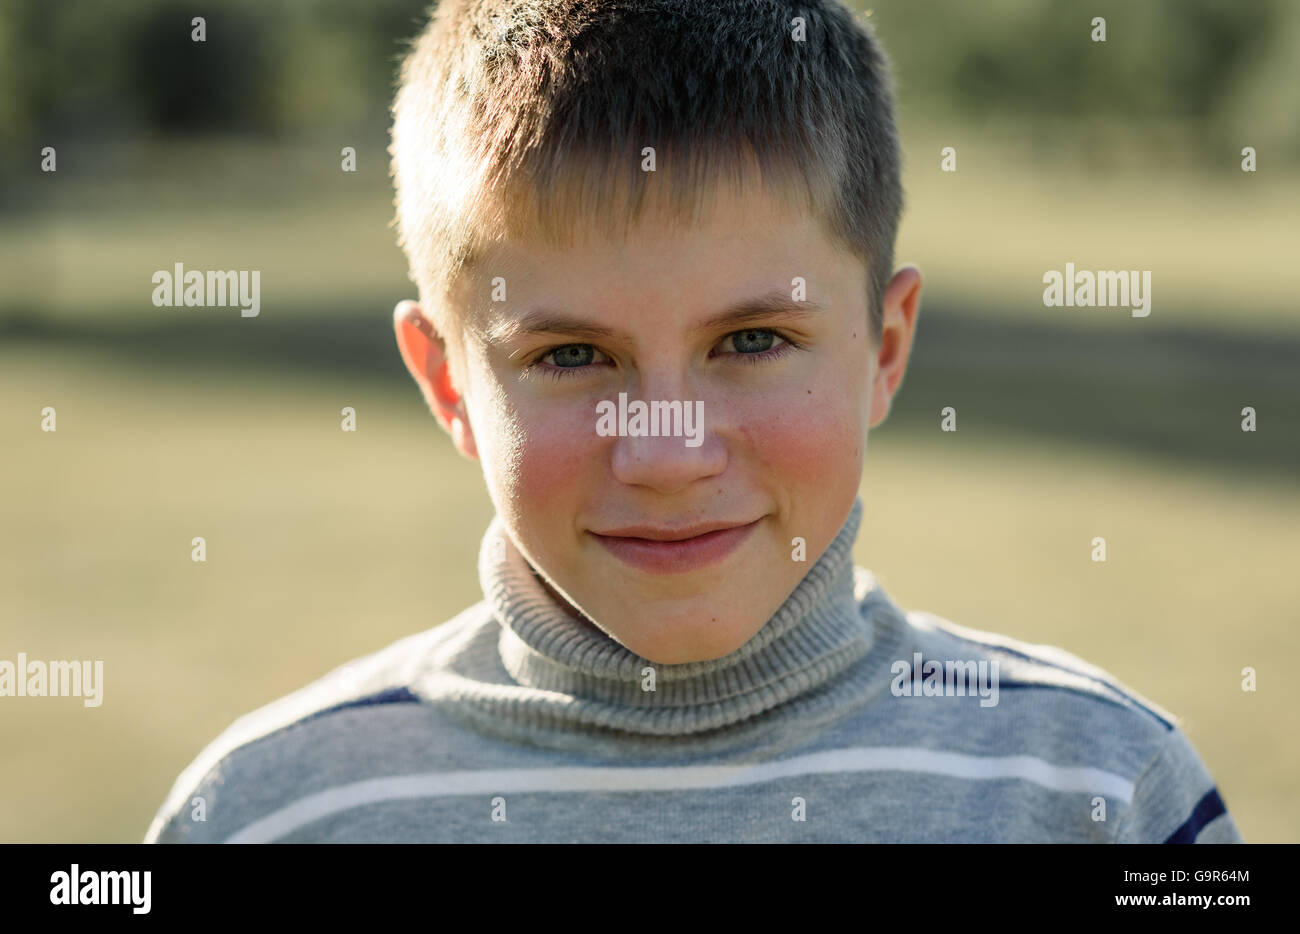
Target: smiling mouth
647 533
675 552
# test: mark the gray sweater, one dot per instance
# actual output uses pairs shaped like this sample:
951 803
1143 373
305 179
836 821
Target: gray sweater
845 719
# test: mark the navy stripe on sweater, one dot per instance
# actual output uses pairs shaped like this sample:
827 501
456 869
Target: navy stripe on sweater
1206 810
1113 688
398 695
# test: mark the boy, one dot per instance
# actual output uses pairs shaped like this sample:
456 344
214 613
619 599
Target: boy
653 243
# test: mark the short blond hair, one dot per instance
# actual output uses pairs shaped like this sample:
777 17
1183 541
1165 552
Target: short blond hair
533 115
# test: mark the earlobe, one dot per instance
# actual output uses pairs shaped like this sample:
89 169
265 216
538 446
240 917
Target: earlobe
424 353
902 301
463 437
881 398
903 298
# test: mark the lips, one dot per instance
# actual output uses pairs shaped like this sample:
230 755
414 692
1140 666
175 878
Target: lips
670 535
675 551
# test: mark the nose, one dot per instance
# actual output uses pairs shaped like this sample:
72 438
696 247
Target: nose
685 450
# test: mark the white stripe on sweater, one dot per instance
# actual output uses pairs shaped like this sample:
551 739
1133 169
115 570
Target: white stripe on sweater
617 779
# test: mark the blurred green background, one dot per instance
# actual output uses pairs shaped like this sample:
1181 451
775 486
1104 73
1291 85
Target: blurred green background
325 545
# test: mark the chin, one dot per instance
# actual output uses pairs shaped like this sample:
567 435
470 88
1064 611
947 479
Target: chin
679 643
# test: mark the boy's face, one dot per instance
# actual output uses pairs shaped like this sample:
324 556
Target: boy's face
787 396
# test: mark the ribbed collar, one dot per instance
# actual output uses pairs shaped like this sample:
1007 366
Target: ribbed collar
574 674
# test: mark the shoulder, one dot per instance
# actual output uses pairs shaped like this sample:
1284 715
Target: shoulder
1046 670
342 712
1065 713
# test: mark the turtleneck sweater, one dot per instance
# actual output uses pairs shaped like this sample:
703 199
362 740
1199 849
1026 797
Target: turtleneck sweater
519 720
542 676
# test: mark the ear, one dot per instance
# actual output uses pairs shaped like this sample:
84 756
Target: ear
902 302
424 352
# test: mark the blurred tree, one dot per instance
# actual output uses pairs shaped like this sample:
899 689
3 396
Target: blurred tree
1220 71
222 83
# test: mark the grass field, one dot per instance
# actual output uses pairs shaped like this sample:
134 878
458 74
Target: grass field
324 545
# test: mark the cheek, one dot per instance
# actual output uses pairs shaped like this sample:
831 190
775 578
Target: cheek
550 445
807 436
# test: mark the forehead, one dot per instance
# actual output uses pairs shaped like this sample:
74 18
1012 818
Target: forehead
741 241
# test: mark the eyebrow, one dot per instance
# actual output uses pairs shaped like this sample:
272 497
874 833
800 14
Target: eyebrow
750 311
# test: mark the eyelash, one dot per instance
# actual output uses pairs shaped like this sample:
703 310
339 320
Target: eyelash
567 372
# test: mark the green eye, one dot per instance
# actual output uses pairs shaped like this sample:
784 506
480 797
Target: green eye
752 341
570 360
571 355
